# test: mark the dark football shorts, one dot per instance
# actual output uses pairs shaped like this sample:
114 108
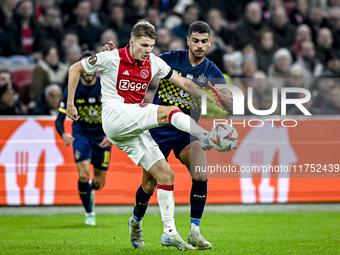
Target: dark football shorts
86 147
170 138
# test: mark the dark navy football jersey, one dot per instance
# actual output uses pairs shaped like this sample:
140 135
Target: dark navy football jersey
87 100
170 94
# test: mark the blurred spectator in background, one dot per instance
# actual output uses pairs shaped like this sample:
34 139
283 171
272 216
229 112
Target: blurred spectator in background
5 77
97 16
176 44
6 11
332 104
324 43
250 26
265 49
190 15
232 64
3 45
333 66
334 22
153 17
315 20
164 36
216 50
72 55
299 13
283 30
279 68
116 21
303 33
220 27
9 101
249 67
270 8
40 8
233 10
107 35
88 34
136 11
48 70
52 24
259 83
70 38
308 63
49 101
321 90
25 33
308 105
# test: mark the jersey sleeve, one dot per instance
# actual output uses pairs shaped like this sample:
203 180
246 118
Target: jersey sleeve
161 67
97 63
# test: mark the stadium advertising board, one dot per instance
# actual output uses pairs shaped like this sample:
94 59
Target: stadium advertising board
272 164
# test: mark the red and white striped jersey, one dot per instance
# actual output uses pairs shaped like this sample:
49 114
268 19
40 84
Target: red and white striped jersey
122 78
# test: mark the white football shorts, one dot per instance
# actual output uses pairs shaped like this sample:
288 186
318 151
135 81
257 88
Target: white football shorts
127 126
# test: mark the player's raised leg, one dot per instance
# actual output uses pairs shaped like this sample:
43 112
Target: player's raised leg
183 122
86 191
143 195
198 193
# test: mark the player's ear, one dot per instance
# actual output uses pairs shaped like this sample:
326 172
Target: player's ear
188 39
210 41
131 41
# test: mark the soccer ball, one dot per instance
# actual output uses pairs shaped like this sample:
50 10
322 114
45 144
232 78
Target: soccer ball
223 137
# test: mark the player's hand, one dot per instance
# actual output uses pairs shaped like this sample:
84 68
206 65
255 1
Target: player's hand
105 143
227 100
67 138
108 46
72 113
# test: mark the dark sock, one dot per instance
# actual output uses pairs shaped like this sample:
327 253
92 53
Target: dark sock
142 200
85 189
198 196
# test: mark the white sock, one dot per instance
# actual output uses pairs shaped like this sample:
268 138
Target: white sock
194 228
185 123
166 203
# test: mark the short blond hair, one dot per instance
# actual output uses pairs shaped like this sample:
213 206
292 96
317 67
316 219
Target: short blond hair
143 29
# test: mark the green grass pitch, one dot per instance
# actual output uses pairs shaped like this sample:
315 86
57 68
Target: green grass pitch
232 233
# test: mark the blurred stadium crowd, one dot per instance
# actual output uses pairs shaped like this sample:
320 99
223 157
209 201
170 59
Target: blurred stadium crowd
259 44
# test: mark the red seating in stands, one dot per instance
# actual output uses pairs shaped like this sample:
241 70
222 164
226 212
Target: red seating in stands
23 79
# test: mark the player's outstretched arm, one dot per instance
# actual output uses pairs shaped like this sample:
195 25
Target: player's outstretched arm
73 77
191 87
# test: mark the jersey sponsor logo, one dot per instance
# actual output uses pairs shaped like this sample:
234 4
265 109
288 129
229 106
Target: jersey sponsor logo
92 100
182 93
144 73
126 72
133 86
92 60
142 105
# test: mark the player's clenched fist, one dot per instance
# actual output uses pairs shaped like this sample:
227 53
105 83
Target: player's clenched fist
72 113
67 138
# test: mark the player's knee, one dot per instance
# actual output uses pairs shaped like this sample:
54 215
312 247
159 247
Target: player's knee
83 177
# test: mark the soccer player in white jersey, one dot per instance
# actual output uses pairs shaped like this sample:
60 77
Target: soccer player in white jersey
125 76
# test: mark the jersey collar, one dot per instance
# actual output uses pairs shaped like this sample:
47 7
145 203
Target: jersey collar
127 57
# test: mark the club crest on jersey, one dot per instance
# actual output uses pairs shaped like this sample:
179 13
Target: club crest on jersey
201 79
142 105
144 73
92 60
